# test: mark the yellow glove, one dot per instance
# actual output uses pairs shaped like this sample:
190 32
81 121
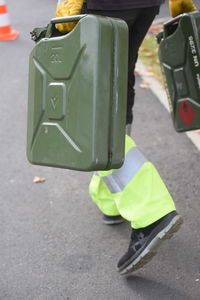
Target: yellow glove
68 8
178 7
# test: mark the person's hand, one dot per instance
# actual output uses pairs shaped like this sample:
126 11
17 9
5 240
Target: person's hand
178 7
65 9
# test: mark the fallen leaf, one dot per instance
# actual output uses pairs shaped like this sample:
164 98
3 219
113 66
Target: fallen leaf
144 85
156 28
145 49
149 68
149 54
38 179
149 74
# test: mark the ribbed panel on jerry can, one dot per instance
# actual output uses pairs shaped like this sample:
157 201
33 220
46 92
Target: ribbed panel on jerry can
78 94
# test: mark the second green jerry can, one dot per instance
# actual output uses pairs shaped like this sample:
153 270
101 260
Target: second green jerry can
78 94
179 54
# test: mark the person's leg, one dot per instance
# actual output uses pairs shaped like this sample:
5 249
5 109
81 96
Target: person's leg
104 200
138 21
100 192
138 27
141 197
137 30
137 191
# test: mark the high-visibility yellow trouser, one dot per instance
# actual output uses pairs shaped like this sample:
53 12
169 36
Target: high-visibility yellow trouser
135 191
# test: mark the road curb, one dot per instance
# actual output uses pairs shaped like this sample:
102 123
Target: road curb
159 91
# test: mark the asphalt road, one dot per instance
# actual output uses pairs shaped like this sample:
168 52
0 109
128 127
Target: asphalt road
53 245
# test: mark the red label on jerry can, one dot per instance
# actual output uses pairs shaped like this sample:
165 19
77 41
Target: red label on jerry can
186 112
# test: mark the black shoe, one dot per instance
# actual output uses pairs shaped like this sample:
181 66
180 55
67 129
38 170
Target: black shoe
112 220
144 242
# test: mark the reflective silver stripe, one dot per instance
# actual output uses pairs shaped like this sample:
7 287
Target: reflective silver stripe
117 181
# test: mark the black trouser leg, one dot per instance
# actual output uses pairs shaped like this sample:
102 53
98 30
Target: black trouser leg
138 27
138 20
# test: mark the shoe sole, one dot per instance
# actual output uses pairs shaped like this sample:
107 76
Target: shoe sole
116 222
151 250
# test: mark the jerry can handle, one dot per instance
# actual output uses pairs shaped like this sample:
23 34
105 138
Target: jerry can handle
61 20
67 19
171 25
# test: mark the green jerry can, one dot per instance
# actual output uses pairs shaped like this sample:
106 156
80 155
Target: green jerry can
179 54
78 94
